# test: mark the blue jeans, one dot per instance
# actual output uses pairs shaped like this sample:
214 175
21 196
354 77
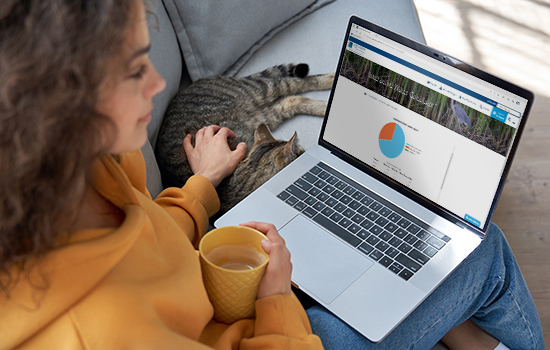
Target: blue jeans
487 287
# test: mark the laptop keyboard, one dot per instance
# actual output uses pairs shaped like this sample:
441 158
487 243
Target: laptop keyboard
395 239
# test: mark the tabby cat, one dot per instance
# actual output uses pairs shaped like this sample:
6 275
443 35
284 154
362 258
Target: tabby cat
249 106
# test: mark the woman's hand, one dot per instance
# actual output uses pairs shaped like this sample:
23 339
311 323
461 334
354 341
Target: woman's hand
276 279
211 157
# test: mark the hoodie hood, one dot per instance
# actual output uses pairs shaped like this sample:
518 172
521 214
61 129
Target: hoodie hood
64 276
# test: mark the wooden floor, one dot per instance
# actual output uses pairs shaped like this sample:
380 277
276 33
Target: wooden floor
510 38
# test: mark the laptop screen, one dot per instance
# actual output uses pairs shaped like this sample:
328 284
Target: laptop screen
423 123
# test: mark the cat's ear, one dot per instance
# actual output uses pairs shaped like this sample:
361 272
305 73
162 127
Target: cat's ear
290 149
262 133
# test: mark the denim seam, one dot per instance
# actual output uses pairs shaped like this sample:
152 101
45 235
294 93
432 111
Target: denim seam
525 319
449 310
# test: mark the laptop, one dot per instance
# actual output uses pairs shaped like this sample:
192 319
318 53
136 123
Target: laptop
412 156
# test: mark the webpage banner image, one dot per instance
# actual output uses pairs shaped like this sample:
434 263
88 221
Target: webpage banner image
462 119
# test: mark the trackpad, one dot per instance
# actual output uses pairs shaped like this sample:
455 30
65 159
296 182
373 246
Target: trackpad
322 264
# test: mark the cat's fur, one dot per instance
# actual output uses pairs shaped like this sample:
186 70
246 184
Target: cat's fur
242 105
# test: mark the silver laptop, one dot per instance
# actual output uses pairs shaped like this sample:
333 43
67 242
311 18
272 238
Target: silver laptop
401 188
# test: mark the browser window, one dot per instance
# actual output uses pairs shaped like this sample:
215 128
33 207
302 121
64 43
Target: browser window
433 128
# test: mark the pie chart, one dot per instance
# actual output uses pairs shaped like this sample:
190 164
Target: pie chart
391 140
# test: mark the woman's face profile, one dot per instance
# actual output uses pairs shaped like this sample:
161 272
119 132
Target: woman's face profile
127 98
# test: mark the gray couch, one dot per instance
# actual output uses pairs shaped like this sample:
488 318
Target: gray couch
193 39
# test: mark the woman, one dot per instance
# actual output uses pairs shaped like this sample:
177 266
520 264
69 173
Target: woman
87 258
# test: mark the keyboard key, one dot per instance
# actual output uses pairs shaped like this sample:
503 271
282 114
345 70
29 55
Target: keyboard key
322 196
436 243
328 189
395 268
310 200
376 255
344 222
339 207
319 206
403 223
357 219
394 241
303 184
385 211
316 170
340 185
296 192
323 175
354 229
405 248
420 245
309 177
337 230
408 262
354 205
382 221
365 248
314 191
336 217
310 212
386 236
327 212
358 195
375 229
337 194
362 234
391 227
363 210
320 184
394 217
349 190
331 202
366 224
373 240
382 246
430 251
410 239
348 213
413 228
332 180
376 206
292 200
405 274
422 235
346 199
392 252
372 216
300 206
366 200
401 233
283 195
418 257
385 261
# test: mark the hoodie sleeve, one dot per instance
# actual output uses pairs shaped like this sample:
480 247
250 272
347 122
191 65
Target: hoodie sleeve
281 323
191 206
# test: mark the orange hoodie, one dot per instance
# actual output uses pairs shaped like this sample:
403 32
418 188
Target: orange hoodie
139 286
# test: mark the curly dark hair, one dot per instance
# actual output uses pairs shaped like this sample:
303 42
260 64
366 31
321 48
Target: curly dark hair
54 56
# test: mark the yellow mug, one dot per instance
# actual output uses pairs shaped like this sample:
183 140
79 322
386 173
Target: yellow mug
233 263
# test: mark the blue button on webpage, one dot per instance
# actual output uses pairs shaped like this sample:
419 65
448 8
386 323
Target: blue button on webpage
472 220
499 114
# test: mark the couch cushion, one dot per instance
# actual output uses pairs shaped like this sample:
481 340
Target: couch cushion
166 58
317 39
218 37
